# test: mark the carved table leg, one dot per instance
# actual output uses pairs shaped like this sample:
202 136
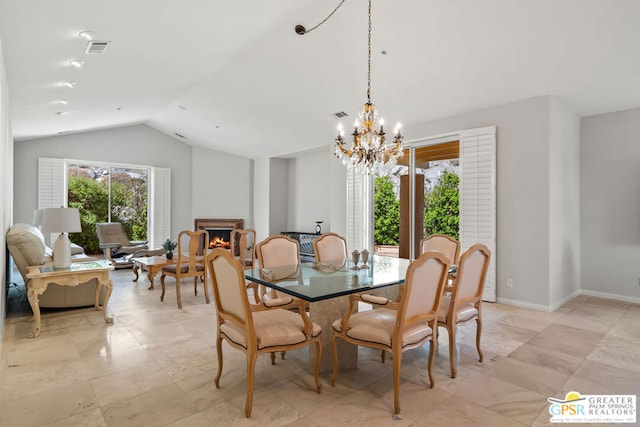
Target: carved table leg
135 271
109 285
33 294
151 275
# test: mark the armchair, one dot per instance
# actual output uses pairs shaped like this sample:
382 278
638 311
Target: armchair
256 329
116 245
401 325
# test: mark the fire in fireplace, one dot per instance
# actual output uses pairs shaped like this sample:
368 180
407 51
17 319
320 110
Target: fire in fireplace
219 237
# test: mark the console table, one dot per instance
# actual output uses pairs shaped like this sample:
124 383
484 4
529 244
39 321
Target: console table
41 275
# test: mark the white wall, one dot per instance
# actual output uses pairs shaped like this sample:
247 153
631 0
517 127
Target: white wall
221 186
522 193
261 197
610 204
6 185
309 191
278 196
564 206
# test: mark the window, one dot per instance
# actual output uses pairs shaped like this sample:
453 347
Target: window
107 193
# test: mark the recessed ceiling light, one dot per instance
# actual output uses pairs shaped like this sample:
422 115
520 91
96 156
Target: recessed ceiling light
87 35
76 63
62 113
62 101
68 84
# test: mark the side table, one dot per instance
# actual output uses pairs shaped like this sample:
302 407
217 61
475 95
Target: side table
81 272
152 264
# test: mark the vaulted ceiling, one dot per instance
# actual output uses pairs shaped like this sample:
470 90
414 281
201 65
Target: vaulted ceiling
234 76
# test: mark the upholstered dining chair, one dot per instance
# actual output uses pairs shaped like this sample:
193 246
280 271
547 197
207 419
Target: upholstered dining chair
398 326
330 247
465 302
276 251
189 263
256 329
449 246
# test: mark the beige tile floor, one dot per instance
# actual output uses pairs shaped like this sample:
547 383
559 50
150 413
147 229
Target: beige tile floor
156 364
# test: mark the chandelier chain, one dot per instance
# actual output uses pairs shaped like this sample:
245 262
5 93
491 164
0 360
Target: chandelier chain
369 58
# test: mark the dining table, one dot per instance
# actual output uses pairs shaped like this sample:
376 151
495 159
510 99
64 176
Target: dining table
326 286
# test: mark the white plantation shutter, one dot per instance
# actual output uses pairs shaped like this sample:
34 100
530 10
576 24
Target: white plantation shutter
52 183
354 209
359 211
478 196
159 206
52 188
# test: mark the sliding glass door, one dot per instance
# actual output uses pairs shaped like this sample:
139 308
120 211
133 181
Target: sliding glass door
106 193
418 198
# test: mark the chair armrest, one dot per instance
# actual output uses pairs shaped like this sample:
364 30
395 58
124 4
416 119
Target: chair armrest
278 302
138 242
374 300
110 245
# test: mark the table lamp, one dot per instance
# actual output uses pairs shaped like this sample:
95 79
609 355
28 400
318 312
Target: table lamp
61 220
38 217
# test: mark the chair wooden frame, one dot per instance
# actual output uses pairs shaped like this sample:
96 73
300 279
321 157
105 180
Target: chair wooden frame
243 319
460 298
190 258
324 239
444 243
240 245
403 323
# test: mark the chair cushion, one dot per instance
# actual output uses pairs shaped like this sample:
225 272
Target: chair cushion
273 328
464 312
377 326
184 268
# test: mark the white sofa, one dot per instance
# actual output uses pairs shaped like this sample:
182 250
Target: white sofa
27 248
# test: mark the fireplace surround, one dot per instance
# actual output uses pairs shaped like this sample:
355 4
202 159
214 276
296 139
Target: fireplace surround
218 227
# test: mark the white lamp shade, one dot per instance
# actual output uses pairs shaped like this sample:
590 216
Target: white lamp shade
61 220
38 217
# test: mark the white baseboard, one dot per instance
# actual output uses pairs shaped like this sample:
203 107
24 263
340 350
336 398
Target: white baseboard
607 295
524 304
568 298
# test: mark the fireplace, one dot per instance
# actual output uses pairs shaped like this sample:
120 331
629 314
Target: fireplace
219 230
219 237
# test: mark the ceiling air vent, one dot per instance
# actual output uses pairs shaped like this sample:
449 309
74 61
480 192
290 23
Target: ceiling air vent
340 114
179 135
95 46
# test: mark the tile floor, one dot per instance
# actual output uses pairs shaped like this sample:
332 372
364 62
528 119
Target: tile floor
156 364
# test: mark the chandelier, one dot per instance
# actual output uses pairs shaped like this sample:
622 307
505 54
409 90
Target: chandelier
369 151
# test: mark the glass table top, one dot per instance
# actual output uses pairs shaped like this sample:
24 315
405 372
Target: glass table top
319 281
